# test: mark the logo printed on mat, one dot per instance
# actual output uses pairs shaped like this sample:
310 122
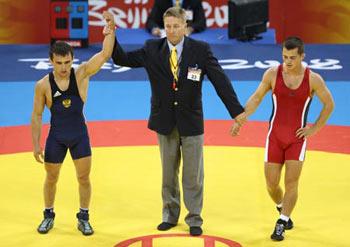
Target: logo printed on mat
208 241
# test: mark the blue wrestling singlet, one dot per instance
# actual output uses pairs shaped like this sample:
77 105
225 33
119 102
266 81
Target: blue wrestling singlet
67 125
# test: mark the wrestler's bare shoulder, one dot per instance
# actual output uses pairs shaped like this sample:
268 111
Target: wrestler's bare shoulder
43 84
272 71
315 77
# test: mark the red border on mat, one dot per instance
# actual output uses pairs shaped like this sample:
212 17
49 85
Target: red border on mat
331 138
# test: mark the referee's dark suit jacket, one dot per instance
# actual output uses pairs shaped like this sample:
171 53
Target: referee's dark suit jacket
180 106
155 18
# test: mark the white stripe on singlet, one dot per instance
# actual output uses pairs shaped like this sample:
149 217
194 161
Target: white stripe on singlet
303 149
271 126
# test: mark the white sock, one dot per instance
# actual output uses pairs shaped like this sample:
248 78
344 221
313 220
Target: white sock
284 217
49 209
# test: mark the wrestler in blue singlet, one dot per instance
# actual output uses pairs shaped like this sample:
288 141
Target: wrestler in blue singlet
68 128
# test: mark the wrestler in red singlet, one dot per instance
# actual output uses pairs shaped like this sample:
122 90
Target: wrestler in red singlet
289 113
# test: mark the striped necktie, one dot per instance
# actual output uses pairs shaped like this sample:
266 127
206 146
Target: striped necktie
173 63
177 3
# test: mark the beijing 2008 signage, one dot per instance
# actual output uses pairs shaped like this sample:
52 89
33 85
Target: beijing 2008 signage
134 13
147 241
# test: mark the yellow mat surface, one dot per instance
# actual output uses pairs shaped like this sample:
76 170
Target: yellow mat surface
126 200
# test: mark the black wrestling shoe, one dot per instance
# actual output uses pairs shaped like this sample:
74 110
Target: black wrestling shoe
83 224
164 226
278 233
289 224
195 231
47 223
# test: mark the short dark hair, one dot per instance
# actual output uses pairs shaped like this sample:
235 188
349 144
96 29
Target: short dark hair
175 12
60 48
294 42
